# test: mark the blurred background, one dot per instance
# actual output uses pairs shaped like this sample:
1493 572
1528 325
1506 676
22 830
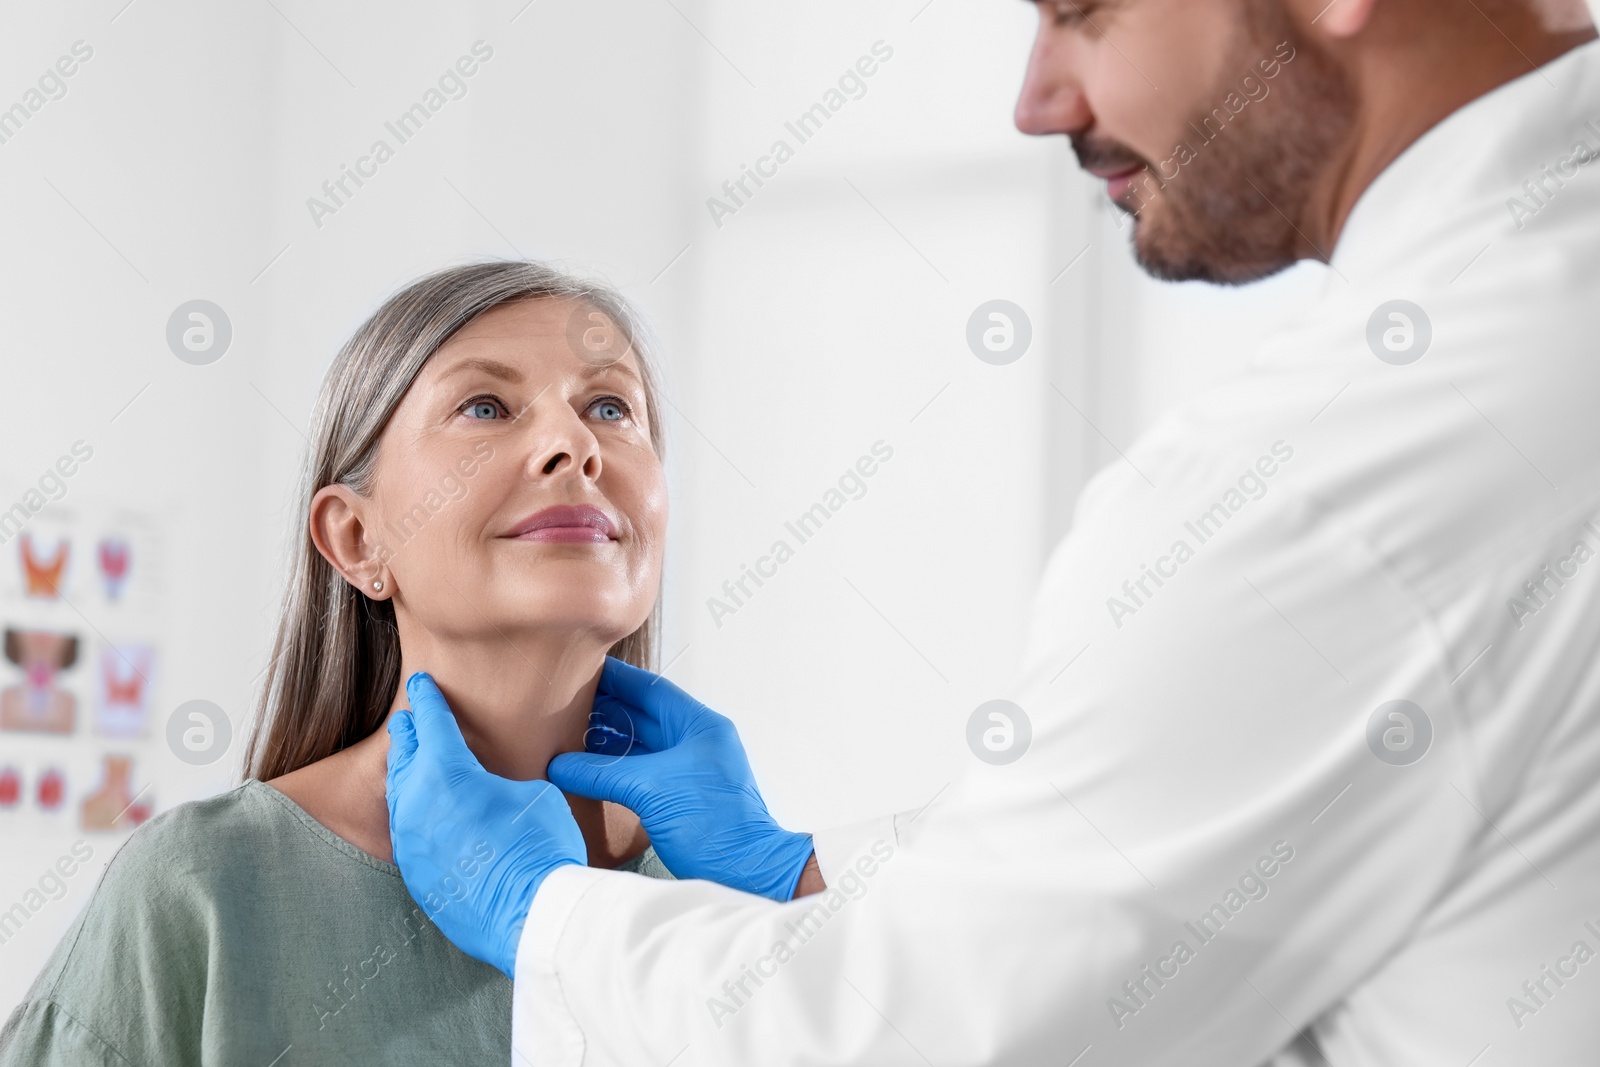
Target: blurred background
817 315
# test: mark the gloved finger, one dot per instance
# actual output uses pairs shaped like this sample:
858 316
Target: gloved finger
402 746
598 777
436 727
614 728
660 709
551 804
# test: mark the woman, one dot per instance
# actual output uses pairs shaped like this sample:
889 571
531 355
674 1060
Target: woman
484 500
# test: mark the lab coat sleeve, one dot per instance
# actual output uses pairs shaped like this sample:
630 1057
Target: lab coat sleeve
836 848
1200 851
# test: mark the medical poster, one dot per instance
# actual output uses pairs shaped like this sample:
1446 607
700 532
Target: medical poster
80 612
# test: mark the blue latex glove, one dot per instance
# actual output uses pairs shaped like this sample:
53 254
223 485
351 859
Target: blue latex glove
473 847
681 768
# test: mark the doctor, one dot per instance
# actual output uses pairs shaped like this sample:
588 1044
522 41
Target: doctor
1308 763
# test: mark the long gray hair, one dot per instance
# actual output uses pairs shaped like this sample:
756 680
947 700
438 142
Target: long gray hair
335 663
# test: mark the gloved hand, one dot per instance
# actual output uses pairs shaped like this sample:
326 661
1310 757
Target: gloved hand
680 767
473 847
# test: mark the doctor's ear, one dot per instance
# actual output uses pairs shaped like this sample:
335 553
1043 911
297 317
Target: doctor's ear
338 527
1334 19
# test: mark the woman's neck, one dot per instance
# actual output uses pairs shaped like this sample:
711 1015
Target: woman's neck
518 702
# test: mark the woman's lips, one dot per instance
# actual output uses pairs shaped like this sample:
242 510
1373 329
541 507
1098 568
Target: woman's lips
566 524
577 534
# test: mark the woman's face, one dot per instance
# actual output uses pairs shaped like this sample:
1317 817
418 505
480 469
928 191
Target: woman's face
516 486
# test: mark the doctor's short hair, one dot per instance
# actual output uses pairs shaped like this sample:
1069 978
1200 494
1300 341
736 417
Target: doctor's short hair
335 665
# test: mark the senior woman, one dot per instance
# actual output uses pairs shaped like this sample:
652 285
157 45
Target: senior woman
483 500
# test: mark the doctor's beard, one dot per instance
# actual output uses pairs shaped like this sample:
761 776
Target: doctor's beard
1235 211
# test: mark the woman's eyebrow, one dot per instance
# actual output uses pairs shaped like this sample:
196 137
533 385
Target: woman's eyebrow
510 373
492 367
598 370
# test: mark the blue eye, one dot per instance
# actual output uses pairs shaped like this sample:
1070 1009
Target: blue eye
483 409
610 409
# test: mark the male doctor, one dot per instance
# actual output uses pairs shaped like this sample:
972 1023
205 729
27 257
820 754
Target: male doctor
1314 768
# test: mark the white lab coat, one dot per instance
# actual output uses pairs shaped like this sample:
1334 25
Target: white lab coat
1201 853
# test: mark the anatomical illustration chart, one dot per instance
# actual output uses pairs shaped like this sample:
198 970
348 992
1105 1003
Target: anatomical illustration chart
81 670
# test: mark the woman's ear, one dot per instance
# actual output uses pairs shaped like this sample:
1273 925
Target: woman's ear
338 529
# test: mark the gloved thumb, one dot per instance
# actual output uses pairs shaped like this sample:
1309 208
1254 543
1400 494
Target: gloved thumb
591 775
402 741
402 746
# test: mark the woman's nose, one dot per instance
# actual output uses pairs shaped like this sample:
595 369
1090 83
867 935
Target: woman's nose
562 445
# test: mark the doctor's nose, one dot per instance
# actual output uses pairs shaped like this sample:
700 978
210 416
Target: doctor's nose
1051 101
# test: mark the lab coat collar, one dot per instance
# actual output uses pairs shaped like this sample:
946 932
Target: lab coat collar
1466 167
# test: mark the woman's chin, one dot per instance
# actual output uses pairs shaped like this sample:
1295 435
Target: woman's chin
582 611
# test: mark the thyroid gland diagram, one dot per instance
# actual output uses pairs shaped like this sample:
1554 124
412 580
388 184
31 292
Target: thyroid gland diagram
42 574
113 805
114 558
122 706
52 789
37 705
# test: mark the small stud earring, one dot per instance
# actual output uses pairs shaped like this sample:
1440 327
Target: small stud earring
378 586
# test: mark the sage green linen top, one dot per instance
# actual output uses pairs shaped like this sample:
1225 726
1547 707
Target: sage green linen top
240 931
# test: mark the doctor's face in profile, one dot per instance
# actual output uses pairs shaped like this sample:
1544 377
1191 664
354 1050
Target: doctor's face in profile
1210 120
517 488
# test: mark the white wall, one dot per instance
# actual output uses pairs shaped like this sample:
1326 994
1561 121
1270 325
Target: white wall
827 314
134 192
831 314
